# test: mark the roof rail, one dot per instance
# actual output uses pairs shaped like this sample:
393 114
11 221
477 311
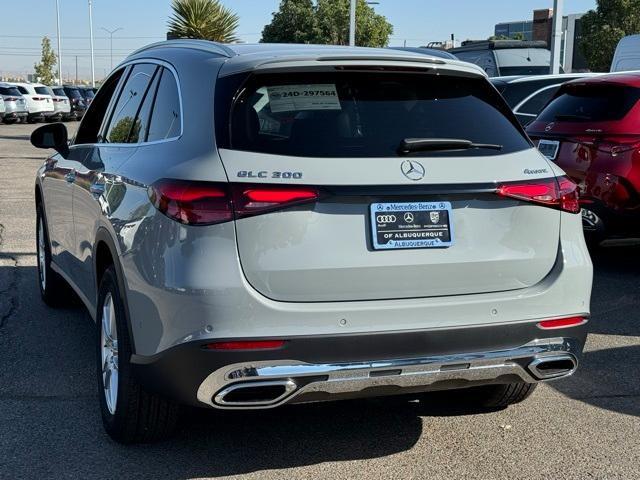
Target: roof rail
190 43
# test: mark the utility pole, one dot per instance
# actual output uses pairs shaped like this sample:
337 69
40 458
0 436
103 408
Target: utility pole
59 42
352 24
556 36
76 70
111 32
93 70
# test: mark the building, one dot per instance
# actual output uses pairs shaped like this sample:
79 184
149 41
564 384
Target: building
522 30
541 27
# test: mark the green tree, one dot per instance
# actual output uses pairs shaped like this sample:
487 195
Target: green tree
124 129
205 19
603 28
294 22
45 69
326 22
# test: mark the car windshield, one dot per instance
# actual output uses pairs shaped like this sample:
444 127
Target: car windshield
43 90
356 114
589 103
13 91
73 93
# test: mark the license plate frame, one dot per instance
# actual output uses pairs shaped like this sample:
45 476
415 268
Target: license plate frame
411 225
552 145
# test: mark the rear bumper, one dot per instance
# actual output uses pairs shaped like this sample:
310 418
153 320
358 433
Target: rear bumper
16 115
318 368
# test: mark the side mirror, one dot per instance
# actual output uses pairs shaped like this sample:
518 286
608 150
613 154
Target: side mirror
51 136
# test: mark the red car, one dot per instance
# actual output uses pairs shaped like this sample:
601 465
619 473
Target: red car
591 129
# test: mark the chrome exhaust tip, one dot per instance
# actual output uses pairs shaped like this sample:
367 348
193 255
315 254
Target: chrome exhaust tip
553 366
254 394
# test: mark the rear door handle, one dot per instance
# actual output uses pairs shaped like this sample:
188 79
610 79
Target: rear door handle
71 176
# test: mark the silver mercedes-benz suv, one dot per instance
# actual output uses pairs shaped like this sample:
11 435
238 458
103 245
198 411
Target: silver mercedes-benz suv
257 225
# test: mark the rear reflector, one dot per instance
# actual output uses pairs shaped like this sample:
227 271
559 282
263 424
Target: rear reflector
561 193
208 203
246 345
562 323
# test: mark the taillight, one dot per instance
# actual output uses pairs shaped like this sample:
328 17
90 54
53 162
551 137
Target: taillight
192 203
37 99
208 203
561 193
254 199
615 146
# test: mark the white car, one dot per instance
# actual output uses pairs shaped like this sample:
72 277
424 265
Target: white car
39 105
2 108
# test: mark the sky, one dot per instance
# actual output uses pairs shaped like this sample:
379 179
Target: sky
144 21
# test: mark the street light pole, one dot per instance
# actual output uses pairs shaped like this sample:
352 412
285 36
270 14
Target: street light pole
59 43
111 32
556 36
352 24
93 70
352 21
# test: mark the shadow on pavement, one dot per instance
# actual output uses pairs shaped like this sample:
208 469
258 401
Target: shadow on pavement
615 301
608 377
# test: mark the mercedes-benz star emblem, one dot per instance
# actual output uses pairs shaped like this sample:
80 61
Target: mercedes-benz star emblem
412 170
408 217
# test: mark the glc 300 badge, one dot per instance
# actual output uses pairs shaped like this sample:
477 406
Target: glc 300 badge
412 170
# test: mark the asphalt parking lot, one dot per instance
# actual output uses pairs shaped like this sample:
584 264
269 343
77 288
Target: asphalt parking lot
585 427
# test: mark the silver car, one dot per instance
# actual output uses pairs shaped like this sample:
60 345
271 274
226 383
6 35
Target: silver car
14 103
257 225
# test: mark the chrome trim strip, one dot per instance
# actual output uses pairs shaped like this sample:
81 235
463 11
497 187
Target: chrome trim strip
352 377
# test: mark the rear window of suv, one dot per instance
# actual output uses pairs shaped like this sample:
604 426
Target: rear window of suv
590 103
358 114
13 91
43 91
73 93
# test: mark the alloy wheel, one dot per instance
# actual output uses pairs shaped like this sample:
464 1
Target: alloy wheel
109 350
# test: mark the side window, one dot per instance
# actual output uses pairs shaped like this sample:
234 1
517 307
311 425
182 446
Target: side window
92 121
23 90
123 120
536 103
165 118
139 132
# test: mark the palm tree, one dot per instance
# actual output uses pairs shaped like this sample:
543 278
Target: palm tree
206 19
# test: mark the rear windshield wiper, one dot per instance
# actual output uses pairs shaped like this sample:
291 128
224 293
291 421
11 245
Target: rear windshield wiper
409 145
568 117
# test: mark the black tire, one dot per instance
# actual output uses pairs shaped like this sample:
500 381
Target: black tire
54 290
10 121
139 416
501 396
